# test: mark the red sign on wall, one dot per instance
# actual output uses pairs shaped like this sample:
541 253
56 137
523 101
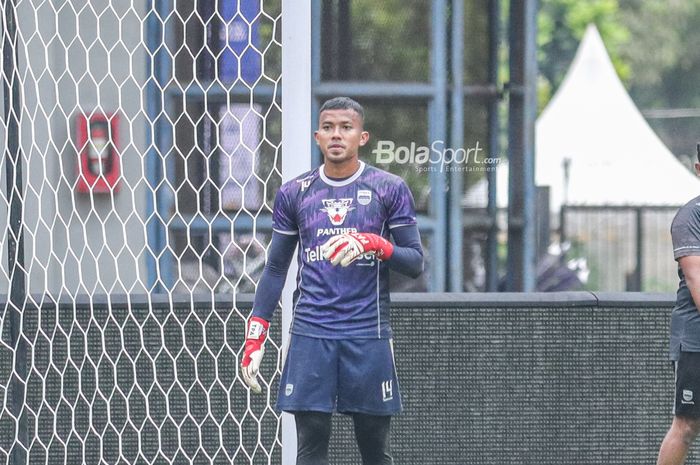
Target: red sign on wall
97 138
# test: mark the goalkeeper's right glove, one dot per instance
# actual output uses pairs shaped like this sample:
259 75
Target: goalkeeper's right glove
254 350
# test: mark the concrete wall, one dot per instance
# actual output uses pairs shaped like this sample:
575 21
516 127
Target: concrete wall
81 56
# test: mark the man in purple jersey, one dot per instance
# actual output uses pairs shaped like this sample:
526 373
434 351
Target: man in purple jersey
340 356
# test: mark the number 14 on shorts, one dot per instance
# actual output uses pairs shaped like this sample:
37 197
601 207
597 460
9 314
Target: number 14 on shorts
387 390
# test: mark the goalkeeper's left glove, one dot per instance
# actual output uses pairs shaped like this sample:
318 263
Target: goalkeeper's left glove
344 249
254 350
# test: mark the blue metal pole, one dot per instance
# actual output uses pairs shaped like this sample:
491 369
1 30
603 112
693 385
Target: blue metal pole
165 137
160 142
153 108
437 126
523 107
456 233
494 147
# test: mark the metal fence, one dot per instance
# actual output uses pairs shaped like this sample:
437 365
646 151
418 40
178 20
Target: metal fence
627 248
564 378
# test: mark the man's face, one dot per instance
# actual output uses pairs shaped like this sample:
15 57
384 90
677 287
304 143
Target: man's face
340 135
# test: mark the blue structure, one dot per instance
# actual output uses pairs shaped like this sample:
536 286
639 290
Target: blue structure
444 94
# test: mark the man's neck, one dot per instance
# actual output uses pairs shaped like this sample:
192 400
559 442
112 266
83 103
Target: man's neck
341 170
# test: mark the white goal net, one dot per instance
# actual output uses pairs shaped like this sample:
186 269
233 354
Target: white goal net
140 156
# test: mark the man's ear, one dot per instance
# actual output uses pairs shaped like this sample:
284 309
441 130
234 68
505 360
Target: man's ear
364 138
697 169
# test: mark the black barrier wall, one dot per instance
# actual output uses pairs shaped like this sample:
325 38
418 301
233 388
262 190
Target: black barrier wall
573 378
536 379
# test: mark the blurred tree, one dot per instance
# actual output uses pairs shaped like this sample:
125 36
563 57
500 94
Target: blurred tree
663 56
665 62
561 25
651 43
383 41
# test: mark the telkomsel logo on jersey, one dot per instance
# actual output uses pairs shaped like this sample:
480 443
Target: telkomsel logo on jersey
337 209
315 255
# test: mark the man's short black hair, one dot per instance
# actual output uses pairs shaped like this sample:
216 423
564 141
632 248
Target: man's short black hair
698 149
343 103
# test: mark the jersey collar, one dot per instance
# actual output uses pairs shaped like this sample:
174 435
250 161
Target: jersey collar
343 182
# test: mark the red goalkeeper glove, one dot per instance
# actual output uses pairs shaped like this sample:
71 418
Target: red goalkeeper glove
254 350
344 249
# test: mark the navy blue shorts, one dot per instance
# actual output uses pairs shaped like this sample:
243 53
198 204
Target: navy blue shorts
339 375
687 385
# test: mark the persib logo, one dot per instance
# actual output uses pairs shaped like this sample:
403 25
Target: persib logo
337 209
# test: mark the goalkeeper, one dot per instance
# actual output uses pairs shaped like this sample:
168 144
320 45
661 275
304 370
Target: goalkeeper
340 356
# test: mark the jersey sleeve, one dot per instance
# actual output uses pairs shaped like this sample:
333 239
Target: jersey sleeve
283 214
402 209
685 233
274 275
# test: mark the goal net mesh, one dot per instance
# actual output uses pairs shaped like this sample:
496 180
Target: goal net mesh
141 154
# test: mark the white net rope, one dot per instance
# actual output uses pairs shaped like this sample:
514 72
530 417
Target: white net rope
140 160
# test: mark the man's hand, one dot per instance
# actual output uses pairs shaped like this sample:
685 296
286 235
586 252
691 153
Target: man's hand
344 249
254 350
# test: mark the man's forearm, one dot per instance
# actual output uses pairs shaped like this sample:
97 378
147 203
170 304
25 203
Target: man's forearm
274 275
407 258
407 261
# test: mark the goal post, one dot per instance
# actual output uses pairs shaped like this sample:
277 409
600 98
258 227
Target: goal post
146 143
296 143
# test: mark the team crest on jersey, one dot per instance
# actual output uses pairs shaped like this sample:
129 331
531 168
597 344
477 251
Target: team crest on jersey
687 396
364 197
337 209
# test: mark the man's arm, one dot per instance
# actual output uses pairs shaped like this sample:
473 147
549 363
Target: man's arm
407 258
691 271
266 298
274 275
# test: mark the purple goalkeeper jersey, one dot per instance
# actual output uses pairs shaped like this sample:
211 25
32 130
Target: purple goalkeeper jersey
332 301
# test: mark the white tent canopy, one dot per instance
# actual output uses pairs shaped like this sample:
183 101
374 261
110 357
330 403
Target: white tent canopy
614 157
